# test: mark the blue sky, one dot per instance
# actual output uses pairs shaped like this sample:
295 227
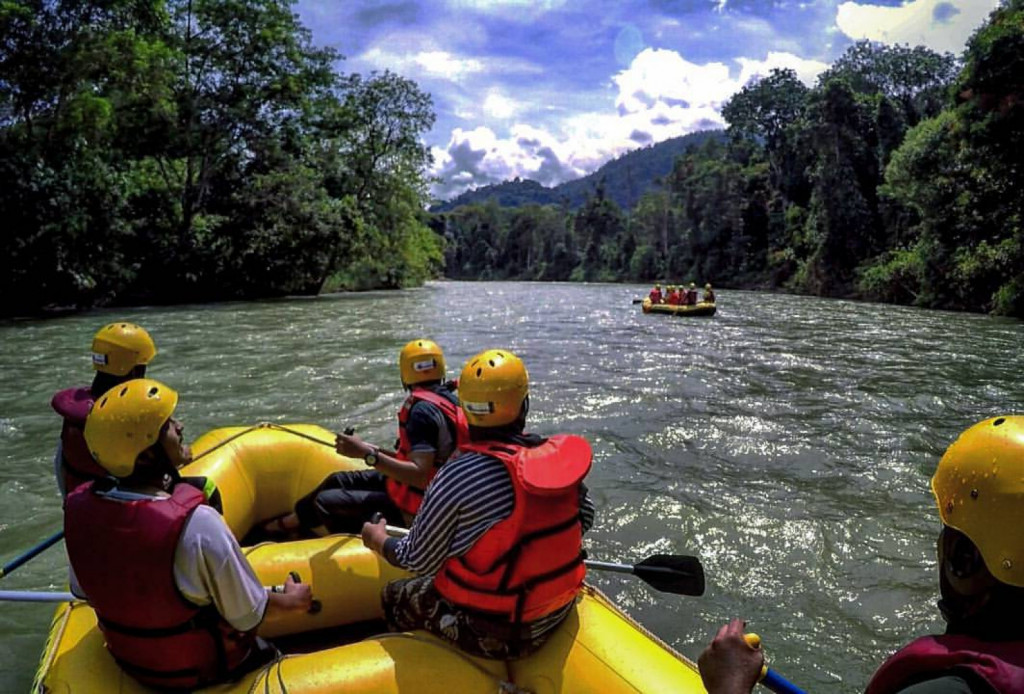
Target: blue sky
551 89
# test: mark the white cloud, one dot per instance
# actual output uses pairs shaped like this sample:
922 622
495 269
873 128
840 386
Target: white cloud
942 25
497 105
444 64
660 95
665 77
424 63
522 10
806 70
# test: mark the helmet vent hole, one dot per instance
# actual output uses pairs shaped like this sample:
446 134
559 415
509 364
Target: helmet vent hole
124 391
153 391
999 421
103 402
478 372
974 493
491 362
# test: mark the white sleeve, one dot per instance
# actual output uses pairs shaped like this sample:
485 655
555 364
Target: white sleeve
209 567
76 589
58 467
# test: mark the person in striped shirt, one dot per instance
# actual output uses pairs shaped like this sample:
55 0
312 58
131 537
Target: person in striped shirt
497 542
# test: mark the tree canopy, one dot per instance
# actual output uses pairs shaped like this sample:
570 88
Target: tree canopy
897 177
171 150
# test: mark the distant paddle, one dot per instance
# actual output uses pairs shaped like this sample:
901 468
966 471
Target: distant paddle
668 573
638 301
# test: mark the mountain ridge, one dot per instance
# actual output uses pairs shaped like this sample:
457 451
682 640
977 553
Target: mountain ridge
626 178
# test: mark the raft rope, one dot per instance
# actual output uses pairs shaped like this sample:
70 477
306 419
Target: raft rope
58 536
264 425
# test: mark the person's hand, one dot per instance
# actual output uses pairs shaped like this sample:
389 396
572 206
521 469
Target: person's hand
300 595
375 534
728 665
351 446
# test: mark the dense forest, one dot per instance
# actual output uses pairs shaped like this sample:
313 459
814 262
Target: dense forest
897 177
175 150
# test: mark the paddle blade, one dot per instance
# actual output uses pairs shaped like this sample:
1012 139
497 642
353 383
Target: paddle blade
672 573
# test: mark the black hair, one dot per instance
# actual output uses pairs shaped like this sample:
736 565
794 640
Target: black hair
153 467
102 381
974 602
505 431
423 384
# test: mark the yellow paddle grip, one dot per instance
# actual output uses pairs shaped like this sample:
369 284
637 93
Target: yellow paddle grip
754 641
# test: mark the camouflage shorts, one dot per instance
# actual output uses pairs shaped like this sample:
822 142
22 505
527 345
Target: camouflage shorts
414 603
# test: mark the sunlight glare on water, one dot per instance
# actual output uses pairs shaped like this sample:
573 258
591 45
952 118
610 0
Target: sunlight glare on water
788 441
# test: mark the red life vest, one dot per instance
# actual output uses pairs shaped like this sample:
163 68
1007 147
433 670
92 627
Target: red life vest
999 663
73 404
123 556
655 296
531 563
404 496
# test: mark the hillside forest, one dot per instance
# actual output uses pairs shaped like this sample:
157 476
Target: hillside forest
899 177
164 151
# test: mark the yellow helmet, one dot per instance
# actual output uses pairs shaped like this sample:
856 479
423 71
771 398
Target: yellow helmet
707 286
127 420
492 388
421 361
693 285
979 488
119 347
657 286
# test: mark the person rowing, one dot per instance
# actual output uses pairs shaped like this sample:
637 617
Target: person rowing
498 541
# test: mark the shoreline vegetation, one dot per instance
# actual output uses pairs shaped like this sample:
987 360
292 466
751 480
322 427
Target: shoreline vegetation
177 151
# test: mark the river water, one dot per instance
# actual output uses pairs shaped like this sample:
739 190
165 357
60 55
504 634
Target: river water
788 441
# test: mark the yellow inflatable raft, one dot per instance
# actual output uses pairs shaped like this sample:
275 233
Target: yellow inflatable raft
260 472
702 308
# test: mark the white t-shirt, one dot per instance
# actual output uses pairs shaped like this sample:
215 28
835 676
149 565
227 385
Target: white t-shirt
209 567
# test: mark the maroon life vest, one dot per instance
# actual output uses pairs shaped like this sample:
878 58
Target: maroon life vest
531 563
404 496
73 404
999 663
122 553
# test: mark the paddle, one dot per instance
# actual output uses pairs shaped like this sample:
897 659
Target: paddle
43 596
638 301
30 554
668 573
769 678
34 596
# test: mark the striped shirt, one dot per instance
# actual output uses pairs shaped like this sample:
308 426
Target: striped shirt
470 494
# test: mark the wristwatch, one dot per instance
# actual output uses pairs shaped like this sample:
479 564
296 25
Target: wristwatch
371 458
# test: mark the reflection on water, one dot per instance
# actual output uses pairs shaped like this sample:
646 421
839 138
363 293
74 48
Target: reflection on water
788 441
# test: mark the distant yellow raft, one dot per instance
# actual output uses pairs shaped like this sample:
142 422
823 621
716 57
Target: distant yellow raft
703 308
261 471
